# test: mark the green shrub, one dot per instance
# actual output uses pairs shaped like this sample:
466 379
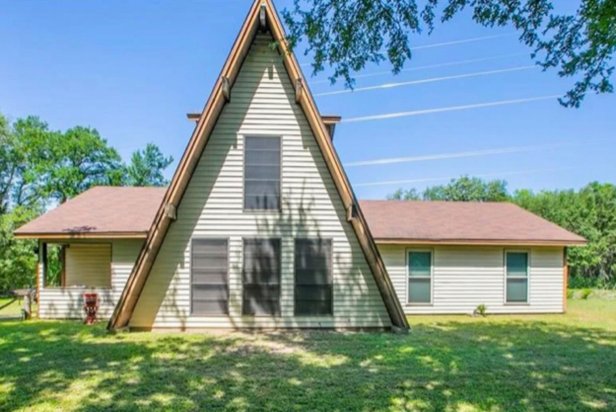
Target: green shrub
570 293
481 310
586 293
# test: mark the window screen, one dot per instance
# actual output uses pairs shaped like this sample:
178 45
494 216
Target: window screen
262 173
313 277
261 277
517 277
209 285
420 277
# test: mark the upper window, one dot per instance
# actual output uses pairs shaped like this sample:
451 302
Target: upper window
261 276
420 277
313 277
262 173
209 277
517 277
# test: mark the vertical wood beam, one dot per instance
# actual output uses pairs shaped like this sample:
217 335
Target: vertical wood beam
63 265
565 279
44 264
38 280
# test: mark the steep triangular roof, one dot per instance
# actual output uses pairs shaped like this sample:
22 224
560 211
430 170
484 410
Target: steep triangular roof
262 14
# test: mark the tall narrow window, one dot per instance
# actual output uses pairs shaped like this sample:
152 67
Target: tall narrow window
517 277
261 277
209 277
262 173
420 277
313 277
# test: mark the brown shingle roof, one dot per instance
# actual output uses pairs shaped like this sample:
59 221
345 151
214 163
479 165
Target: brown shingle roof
461 223
129 211
100 212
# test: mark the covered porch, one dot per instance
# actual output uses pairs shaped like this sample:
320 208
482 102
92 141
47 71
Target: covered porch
69 268
89 244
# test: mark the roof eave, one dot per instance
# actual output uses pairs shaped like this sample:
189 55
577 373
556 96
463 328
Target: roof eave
80 235
481 242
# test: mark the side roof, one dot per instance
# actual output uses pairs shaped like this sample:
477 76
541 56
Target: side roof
100 212
262 15
402 221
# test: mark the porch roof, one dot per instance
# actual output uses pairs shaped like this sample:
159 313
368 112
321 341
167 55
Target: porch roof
100 212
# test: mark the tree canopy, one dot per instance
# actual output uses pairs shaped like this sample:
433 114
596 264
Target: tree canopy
464 189
146 167
40 167
348 34
589 212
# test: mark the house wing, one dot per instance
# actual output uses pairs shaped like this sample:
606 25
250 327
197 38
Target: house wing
262 15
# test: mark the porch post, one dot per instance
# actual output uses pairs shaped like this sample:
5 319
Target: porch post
43 263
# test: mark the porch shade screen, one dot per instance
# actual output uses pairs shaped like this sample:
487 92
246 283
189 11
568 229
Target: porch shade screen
313 277
209 277
261 277
262 173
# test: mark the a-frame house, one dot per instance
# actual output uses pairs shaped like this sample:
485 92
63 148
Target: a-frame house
259 226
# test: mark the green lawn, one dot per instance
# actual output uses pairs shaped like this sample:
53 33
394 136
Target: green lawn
501 363
10 307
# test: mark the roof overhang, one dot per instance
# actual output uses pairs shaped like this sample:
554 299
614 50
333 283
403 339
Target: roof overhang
82 235
330 121
479 242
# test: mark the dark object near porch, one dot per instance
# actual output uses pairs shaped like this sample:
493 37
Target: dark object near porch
27 296
90 306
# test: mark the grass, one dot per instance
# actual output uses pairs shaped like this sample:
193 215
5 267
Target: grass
10 307
450 363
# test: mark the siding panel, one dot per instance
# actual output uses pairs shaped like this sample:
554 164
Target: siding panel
262 103
88 265
464 277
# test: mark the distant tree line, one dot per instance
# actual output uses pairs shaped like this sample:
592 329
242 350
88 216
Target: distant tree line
589 212
41 167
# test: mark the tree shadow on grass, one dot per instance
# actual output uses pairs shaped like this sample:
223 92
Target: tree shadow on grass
523 365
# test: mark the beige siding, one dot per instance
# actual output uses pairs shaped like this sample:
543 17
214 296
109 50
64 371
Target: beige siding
67 302
88 265
464 277
262 103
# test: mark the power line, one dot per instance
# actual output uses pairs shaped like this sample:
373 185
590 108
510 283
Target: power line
421 112
451 42
434 179
474 153
462 41
429 80
428 66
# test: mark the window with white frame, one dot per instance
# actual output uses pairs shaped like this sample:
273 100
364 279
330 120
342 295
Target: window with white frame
419 270
516 266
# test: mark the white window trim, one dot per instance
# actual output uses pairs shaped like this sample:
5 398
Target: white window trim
407 252
528 266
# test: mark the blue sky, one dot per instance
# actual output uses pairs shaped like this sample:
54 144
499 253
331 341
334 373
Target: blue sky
472 101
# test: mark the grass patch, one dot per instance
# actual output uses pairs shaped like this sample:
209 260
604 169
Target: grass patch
10 307
451 363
